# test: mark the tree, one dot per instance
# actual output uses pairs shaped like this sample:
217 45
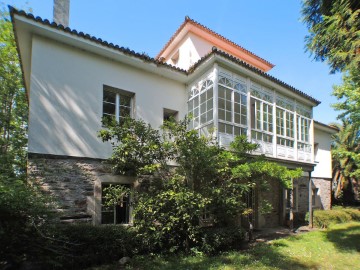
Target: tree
208 180
334 36
334 32
13 105
346 163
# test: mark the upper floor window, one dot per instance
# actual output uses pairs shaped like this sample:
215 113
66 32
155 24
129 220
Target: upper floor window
200 104
116 103
232 105
285 127
261 114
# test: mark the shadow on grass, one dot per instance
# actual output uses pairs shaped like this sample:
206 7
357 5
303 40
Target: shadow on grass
262 256
345 239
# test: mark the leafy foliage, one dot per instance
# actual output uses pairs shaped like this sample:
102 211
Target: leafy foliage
204 180
334 31
323 219
13 104
346 163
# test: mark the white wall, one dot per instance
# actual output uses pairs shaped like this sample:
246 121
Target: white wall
323 155
191 48
66 92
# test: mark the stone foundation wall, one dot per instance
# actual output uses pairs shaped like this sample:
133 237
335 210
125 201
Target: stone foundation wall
70 181
274 197
323 197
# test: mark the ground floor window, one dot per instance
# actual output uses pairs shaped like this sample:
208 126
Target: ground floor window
119 212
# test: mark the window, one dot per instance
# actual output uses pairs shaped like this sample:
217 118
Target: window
170 115
200 104
116 103
314 196
118 214
261 114
303 134
285 127
232 105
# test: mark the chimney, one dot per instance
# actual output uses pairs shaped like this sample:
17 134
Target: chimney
61 12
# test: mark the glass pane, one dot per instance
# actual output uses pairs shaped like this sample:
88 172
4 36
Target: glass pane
228 129
222 127
210 115
236 97
228 104
228 116
237 131
210 104
210 93
196 101
109 96
228 94
243 110
221 91
221 103
203 118
237 118
243 99
109 108
236 108
243 120
203 97
221 114
203 108
124 111
125 100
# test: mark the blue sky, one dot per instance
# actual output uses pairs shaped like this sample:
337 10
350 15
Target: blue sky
271 29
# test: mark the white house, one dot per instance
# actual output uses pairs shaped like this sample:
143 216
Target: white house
72 79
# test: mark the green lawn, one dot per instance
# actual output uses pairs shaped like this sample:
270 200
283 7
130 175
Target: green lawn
335 248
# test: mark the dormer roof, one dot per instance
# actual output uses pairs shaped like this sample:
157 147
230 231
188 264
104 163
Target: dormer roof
217 40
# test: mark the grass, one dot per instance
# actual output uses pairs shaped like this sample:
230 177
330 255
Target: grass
338 247
335 248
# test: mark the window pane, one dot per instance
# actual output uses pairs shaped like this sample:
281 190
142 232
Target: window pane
222 127
221 104
109 96
124 111
108 108
210 115
228 116
203 97
221 114
237 118
221 92
125 100
210 104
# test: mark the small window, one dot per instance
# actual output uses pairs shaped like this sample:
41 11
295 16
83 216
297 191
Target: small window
314 196
116 103
118 213
170 115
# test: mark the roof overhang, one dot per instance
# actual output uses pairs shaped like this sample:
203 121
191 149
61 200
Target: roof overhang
25 28
325 128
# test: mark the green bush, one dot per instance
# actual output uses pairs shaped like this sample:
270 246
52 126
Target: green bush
215 240
83 245
322 219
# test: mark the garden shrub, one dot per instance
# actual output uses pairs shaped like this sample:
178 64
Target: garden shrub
84 245
323 218
215 240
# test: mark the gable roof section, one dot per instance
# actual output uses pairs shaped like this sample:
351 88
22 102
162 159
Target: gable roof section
146 59
190 25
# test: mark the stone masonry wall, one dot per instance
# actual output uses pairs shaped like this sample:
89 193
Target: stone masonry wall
323 198
70 181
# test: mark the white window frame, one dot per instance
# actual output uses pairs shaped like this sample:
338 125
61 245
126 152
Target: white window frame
119 94
231 127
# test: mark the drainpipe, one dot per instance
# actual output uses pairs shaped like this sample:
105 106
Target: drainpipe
310 203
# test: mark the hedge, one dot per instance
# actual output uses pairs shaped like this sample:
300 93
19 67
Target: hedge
323 218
